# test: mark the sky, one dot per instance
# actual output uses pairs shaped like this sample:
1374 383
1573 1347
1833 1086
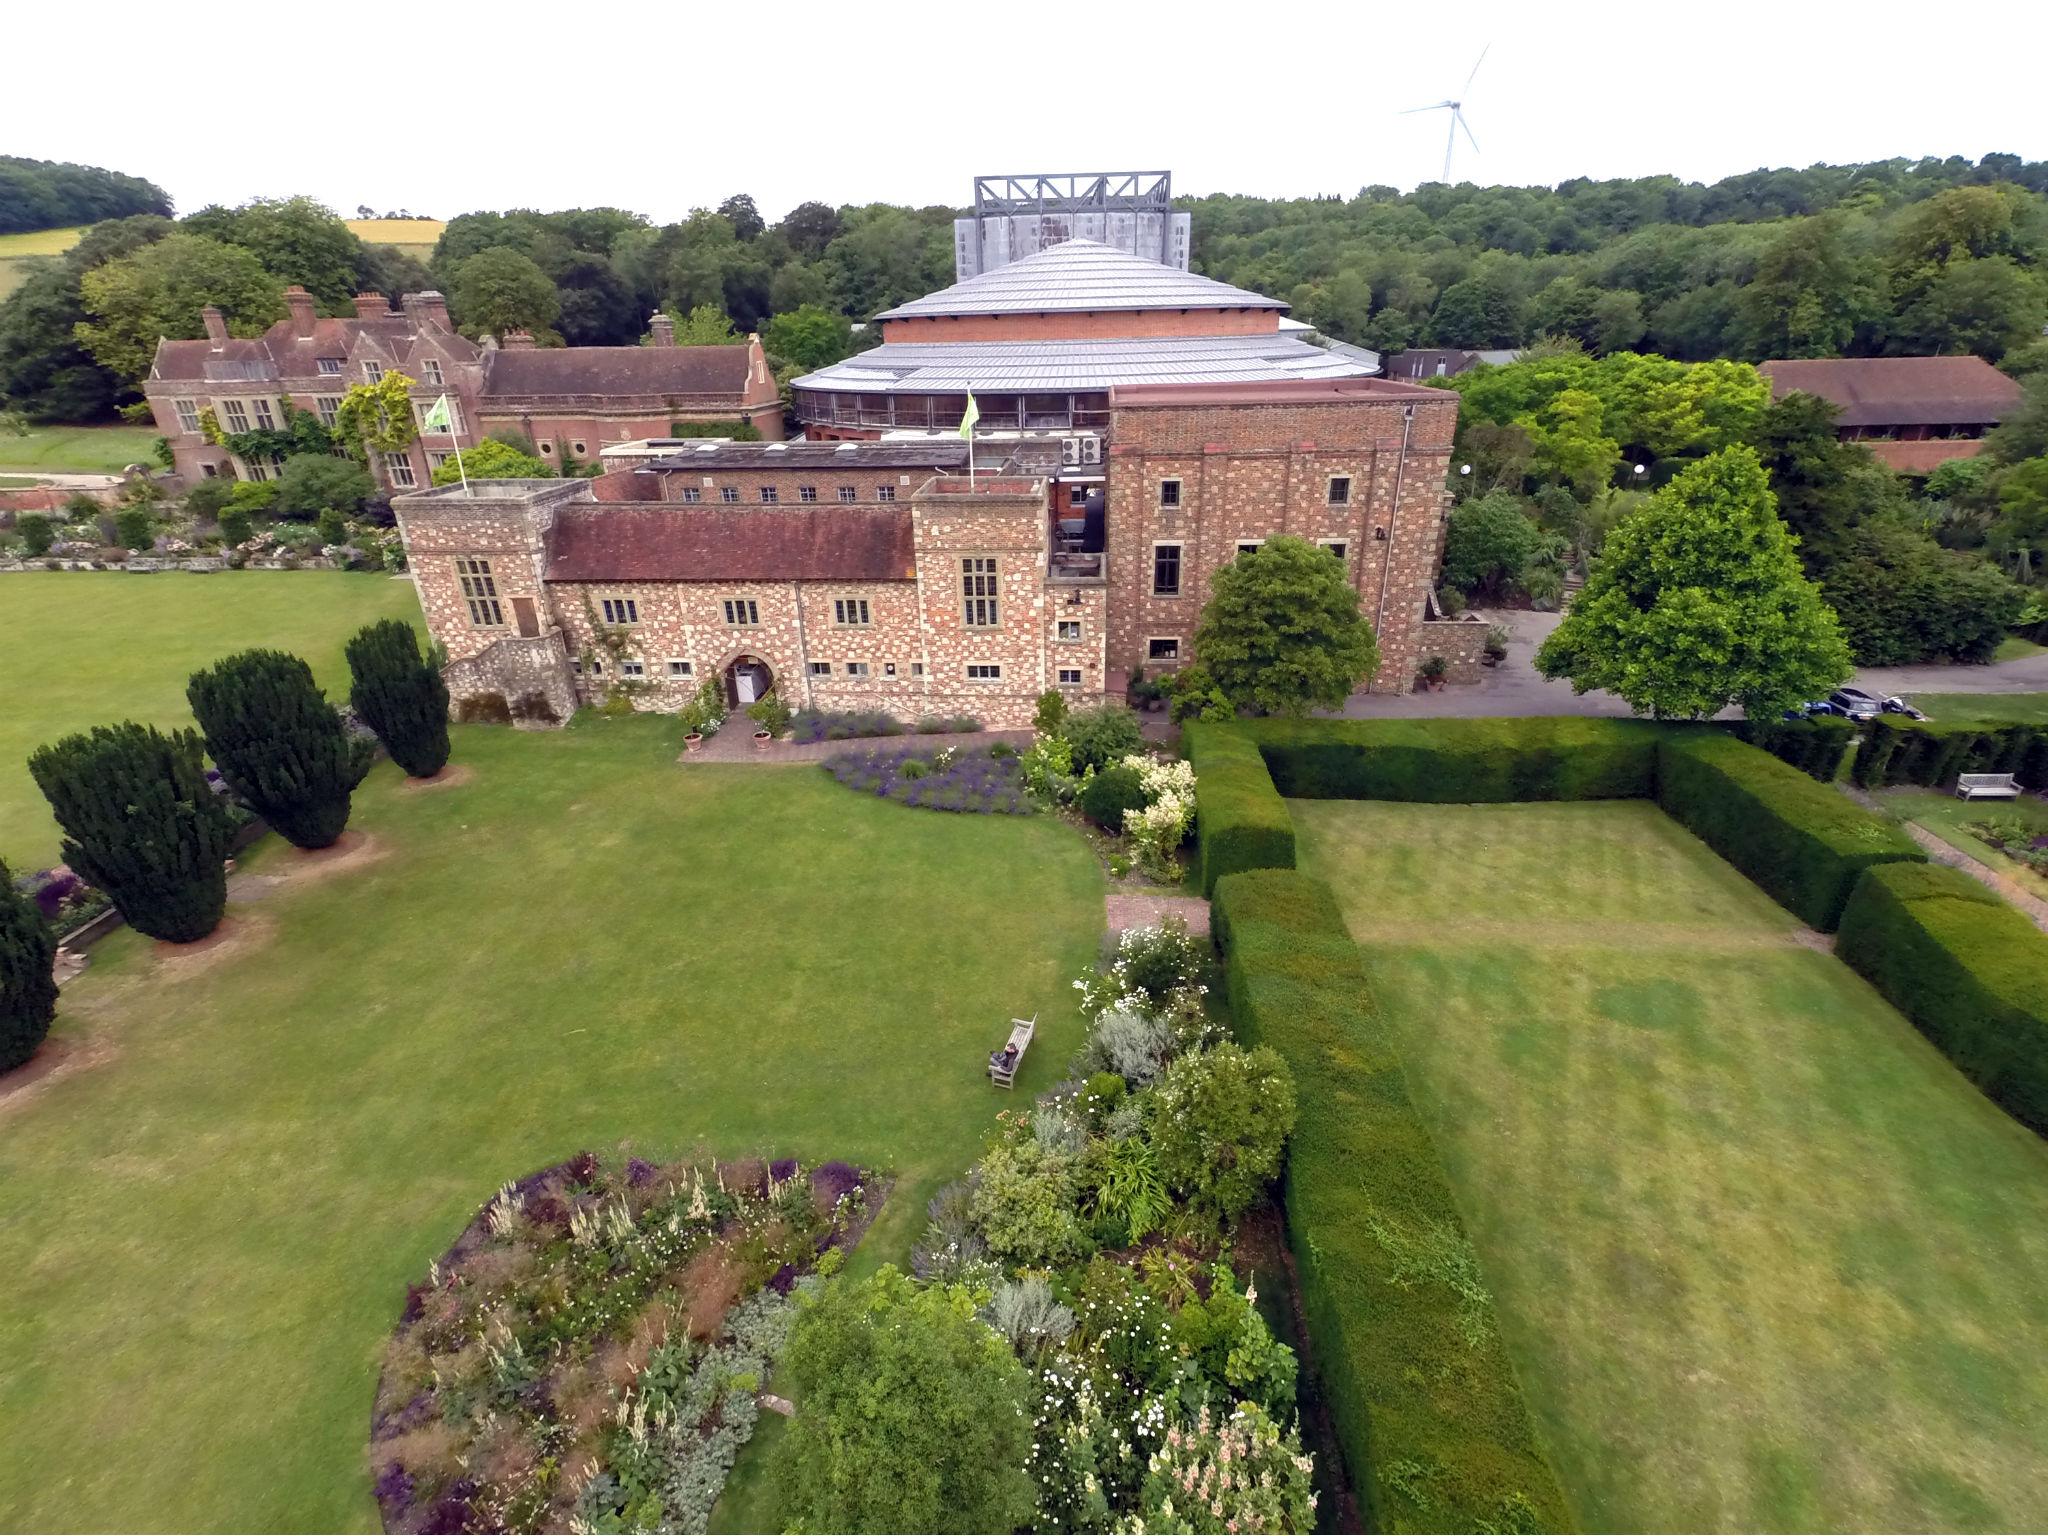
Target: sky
666 108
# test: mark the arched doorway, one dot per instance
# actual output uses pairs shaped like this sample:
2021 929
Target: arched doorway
747 679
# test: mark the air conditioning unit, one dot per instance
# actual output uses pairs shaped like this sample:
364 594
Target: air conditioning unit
1091 450
1086 449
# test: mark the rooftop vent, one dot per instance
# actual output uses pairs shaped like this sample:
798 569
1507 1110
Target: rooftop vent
777 447
847 448
708 447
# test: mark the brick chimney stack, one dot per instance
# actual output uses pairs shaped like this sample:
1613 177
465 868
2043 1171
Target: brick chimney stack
216 326
663 329
300 303
372 306
518 341
430 308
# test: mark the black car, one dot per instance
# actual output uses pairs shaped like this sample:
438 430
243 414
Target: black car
1855 704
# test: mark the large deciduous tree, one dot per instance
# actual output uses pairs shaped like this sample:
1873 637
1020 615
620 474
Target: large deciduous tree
1697 602
141 823
278 743
493 460
296 239
809 337
160 289
911 1414
28 991
501 290
1488 543
1282 632
399 696
312 483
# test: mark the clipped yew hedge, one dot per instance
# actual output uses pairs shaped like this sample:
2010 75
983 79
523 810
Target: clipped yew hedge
1803 842
1900 751
1970 971
1460 762
1428 1412
1815 746
1240 820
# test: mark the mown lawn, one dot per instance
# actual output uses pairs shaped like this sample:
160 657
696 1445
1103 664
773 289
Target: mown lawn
85 648
208 1234
1985 708
1765 1260
79 450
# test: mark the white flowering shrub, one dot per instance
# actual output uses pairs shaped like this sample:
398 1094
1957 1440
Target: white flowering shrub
1239 1473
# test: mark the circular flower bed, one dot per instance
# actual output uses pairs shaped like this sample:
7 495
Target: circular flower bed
588 1354
984 780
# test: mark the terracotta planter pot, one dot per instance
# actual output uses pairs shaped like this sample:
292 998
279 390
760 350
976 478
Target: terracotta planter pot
761 740
693 742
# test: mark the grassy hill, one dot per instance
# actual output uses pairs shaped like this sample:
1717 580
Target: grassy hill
16 251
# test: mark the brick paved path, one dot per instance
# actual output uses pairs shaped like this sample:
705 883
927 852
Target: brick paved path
1143 909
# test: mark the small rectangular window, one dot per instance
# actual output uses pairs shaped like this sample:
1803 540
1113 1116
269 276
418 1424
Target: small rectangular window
1077 496
1162 650
807 493
621 610
399 466
1069 629
856 669
372 371
848 493
430 370
1249 546
188 415
1070 677
1340 490
741 612
917 669
234 416
885 493
596 667
633 668
1169 494
983 672
266 419
1166 570
327 364
978 590
576 665
1338 547
692 493
728 493
770 495
849 610
680 669
328 407
480 592
821 669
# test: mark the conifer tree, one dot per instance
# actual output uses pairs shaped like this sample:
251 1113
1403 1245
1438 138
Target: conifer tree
28 992
399 696
141 824
277 742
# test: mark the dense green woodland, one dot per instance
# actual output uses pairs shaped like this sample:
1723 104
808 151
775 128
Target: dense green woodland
47 194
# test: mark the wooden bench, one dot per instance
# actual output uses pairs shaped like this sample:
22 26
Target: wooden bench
1020 1037
1987 786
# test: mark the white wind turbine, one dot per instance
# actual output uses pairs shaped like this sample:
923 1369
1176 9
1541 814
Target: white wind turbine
1457 119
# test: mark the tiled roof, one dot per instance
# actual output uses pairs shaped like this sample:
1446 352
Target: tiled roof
953 367
1080 275
617 371
281 353
1899 391
677 543
939 453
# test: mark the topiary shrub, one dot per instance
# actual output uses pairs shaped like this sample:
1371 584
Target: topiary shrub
277 742
1803 842
1106 797
1970 971
141 823
399 696
234 525
136 526
28 993
37 533
1101 736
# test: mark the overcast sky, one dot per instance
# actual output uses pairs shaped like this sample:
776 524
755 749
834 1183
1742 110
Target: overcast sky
665 108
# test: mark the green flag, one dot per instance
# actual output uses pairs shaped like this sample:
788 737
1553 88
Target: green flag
971 416
438 419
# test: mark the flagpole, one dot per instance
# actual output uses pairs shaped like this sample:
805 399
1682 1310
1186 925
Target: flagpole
455 438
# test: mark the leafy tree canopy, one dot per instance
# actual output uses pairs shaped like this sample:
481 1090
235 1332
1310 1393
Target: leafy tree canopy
499 290
1282 632
704 326
810 337
297 240
160 289
1697 602
52 194
493 460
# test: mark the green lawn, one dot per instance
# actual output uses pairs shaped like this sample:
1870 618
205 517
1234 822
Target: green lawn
207 1236
87 647
1764 1259
79 450
2016 648
1949 818
1985 708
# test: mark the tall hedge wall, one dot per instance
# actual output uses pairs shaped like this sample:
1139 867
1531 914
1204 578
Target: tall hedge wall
1428 1412
1803 842
1457 762
1240 820
1898 751
1815 746
1970 971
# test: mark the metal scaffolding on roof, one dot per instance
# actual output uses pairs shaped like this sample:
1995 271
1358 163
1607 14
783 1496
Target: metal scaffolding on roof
1021 213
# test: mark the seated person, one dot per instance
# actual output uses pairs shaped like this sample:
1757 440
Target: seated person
1004 1060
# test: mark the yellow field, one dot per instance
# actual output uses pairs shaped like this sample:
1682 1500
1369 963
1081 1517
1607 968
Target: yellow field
40 242
418 234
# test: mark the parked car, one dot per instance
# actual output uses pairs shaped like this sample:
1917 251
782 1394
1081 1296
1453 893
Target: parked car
1855 704
1811 707
1898 706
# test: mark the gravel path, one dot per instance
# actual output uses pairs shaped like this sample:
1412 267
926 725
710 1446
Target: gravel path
1138 909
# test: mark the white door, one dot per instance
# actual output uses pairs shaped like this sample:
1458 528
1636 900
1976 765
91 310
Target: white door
746 683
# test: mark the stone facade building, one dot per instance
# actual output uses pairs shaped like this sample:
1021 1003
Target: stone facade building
569 401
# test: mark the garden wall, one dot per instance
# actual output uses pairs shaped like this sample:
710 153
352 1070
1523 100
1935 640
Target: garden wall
1428 1412
1969 971
514 668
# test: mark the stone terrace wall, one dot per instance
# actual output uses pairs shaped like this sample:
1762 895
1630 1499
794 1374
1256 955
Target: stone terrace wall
516 668
1461 643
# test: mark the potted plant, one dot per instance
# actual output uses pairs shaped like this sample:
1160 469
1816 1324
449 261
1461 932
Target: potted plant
693 741
762 738
1432 673
772 716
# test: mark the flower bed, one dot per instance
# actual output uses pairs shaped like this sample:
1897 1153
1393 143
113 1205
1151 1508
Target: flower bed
587 1355
985 780
813 725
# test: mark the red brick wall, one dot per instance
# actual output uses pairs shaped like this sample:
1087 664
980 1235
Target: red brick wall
1093 324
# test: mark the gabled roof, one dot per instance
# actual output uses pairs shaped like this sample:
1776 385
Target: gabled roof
617 371
1079 275
281 353
1898 391
689 543
954 367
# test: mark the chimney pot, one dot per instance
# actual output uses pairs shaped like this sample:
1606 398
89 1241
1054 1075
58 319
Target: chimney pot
429 307
518 341
216 326
372 306
300 303
663 329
